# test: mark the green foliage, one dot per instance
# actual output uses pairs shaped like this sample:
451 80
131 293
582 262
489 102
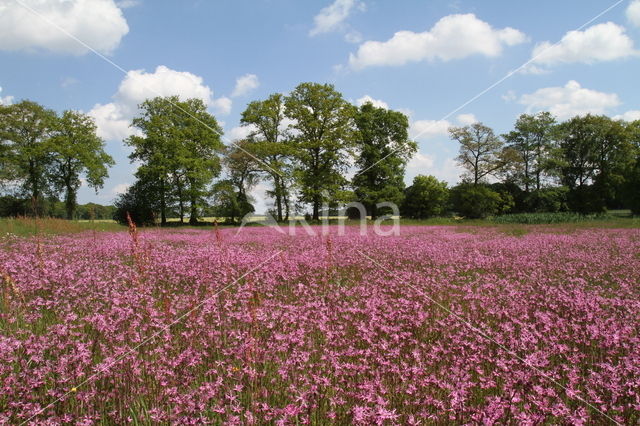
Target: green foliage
77 150
228 202
425 198
532 142
594 152
322 140
382 140
178 150
270 148
480 151
547 218
475 201
552 200
140 202
26 129
46 154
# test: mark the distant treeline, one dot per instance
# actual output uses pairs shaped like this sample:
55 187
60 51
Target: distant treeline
11 206
303 146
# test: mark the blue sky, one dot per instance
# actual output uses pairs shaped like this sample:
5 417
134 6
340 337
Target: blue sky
426 58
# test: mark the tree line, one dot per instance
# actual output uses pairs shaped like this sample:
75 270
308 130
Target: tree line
313 148
44 154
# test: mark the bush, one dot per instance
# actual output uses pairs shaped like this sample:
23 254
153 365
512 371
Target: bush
139 201
547 218
475 201
426 197
547 200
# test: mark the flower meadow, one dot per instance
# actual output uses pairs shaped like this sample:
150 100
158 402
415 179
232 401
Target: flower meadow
435 325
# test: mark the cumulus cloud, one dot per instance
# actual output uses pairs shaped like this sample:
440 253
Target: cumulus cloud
113 118
332 17
423 129
120 188
466 119
633 12
376 102
599 43
46 25
570 100
422 163
452 37
628 116
241 132
5 100
222 105
245 84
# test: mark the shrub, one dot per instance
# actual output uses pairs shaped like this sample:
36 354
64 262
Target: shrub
426 197
139 201
475 201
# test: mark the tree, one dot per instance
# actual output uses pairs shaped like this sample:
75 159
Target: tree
480 150
178 149
382 139
323 122
594 152
632 173
140 201
201 145
25 131
242 169
475 201
270 145
532 140
228 202
77 151
426 197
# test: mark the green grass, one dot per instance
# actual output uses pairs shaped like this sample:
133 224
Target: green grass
26 226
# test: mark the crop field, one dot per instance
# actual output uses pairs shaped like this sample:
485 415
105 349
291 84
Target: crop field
437 325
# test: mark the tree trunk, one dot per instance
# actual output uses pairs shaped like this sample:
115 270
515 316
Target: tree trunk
278 188
70 202
163 204
286 206
193 215
316 208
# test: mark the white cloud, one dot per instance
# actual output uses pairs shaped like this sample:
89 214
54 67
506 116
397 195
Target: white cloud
112 122
628 116
466 119
353 36
113 119
376 102
452 37
420 161
510 96
599 43
120 188
332 17
5 100
569 101
422 129
222 105
98 23
126 4
633 12
245 84
68 82
447 170
241 132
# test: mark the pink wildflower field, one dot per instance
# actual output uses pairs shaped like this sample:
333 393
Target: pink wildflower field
438 325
